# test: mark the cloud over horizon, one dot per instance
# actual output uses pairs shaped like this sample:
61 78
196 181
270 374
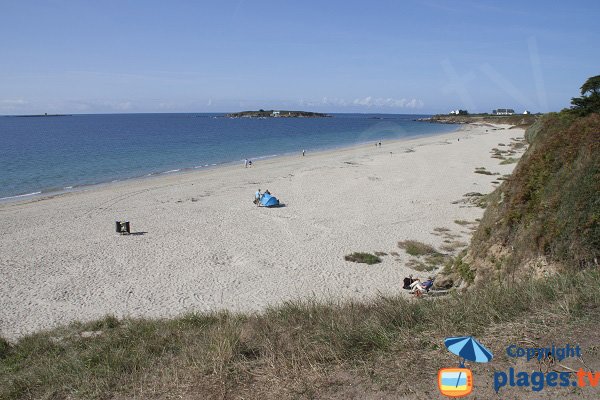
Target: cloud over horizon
368 102
388 102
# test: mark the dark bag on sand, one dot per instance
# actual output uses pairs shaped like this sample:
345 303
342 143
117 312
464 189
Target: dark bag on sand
407 282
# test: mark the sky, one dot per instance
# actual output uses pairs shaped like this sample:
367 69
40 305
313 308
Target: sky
406 57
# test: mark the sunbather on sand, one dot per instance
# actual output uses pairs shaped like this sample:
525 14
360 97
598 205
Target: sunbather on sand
417 287
428 284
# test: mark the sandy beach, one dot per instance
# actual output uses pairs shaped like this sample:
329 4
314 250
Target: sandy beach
200 244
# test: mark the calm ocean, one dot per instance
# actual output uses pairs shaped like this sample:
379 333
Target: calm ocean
46 154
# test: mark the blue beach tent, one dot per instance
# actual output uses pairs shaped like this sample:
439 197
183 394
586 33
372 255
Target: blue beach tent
268 201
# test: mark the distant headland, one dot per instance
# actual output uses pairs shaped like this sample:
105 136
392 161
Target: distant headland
276 114
39 115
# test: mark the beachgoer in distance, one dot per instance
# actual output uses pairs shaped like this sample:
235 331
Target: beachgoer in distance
246 163
267 192
302 153
249 163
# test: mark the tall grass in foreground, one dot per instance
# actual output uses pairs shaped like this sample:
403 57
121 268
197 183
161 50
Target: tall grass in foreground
209 352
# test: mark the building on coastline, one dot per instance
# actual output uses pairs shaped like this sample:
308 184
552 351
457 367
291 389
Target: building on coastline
503 111
458 112
275 114
526 112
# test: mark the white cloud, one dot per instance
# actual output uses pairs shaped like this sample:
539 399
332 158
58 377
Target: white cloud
325 101
388 102
369 102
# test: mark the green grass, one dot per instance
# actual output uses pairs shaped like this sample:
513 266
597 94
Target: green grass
419 265
509 160
366 258
452 246
415 248
226 355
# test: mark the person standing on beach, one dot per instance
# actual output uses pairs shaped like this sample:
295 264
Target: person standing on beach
302 153
246 163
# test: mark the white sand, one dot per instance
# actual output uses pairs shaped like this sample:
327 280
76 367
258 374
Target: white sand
206 246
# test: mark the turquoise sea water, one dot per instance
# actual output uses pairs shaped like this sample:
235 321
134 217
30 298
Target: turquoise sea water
46 154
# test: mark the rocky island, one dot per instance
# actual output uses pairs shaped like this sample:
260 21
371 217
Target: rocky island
276 114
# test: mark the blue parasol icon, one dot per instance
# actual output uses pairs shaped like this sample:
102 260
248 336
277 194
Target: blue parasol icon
468 348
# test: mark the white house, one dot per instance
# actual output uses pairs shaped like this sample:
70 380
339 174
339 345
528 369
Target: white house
526 112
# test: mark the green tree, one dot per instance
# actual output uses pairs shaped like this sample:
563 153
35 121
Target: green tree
592 85
589 102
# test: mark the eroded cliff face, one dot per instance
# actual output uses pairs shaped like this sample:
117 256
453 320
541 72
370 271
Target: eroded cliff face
546 216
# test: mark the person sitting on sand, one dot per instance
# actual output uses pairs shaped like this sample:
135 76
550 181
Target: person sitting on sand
257 197
267 192
407 282
417 287
428 283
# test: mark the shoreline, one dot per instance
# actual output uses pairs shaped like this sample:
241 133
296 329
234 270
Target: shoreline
199 244
42 194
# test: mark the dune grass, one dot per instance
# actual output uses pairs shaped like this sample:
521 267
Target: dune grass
284 351
415 248
366 258
509 160
462 222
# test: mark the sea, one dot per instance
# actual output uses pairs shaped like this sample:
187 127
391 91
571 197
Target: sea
46 154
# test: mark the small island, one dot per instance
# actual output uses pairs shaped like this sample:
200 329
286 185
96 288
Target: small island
276 114
39 115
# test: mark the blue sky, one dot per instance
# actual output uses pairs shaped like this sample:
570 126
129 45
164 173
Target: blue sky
334 56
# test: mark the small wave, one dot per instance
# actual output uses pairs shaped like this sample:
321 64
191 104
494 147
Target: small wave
198 166
20 195
68 187
213 164
270 156
171 171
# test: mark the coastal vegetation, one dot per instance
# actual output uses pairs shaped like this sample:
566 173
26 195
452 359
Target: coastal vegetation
545 217
415 248
366 258
302 349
